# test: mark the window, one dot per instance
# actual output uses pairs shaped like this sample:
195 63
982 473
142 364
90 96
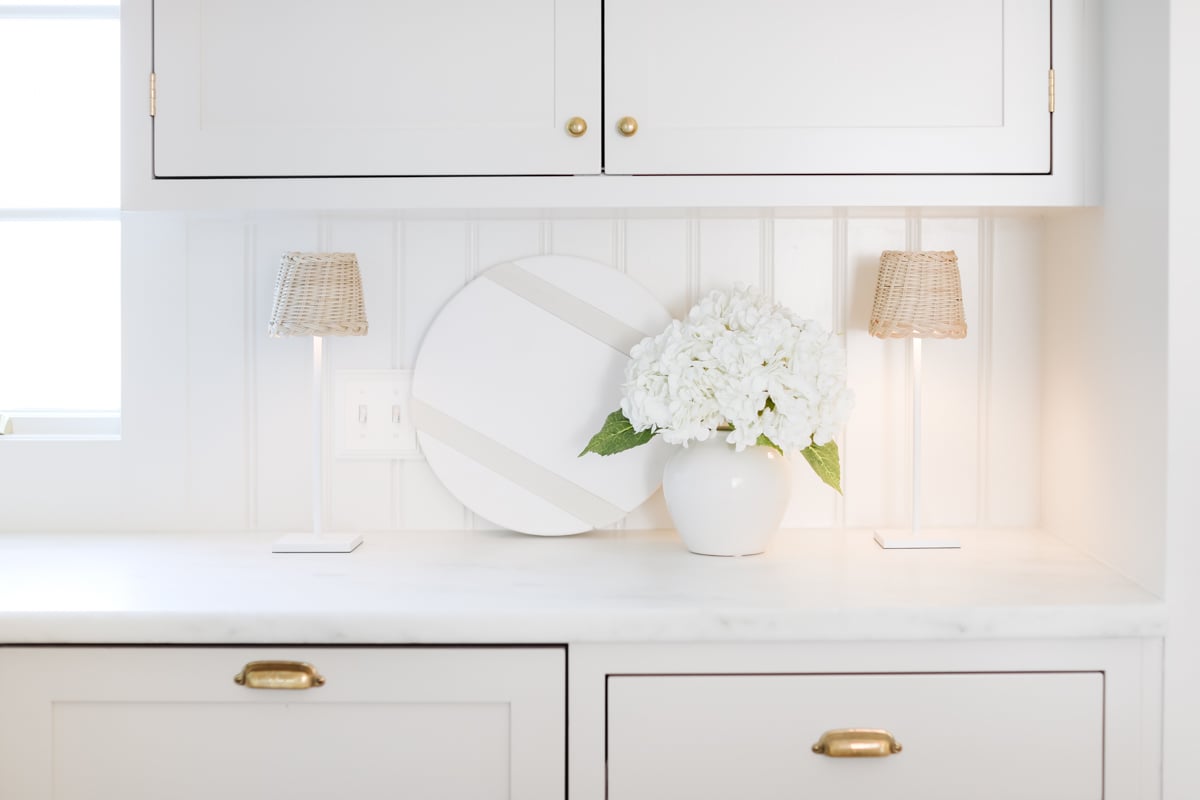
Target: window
60 229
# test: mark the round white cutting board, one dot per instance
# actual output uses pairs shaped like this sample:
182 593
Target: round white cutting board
516 374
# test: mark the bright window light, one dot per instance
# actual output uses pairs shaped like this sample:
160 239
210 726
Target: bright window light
60 308
60 230
62 110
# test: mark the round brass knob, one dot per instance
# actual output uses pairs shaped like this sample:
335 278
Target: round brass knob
627 126
577 126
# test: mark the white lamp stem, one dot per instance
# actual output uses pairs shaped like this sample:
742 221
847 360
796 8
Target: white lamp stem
915 344
318 541
912 538
317 484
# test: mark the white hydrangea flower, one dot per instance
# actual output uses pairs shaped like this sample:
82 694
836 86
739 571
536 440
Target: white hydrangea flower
739 361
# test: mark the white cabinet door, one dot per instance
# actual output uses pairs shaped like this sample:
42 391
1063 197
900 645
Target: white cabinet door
1035 736
828 86
152 723
363 88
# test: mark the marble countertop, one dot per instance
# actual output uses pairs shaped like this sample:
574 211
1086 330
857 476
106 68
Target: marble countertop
497 587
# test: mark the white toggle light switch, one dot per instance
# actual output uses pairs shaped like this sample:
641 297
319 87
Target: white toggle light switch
371 414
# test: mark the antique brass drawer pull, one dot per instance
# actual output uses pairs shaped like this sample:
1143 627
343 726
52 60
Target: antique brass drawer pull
856 743
279 675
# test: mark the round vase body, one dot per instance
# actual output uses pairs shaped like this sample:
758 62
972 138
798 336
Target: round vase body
726 503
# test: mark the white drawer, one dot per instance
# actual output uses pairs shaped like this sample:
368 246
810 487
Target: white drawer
152 723
983 736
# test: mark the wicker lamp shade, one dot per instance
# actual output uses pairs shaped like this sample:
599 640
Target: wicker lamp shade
918 296
318 294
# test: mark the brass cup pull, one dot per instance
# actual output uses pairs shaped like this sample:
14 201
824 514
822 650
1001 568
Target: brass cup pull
627 126
279 675
577 126
856 743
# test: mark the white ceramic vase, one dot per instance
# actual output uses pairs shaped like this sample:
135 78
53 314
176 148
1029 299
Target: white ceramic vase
726 503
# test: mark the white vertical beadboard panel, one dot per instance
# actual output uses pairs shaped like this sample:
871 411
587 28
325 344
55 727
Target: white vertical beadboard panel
425 503
360 492
730 253
435 268
54 486
196 352
803 281
505 239
217 423
875 472
360 495
436 259
154 364
587 238
950 392
1014 475
656 256
283 394
399 348
804 267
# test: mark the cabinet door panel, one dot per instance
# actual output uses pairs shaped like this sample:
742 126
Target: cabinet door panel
982 736
357 87
149 723
822 87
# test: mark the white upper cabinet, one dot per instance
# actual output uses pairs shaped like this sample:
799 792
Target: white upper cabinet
363 88
677 103
823 87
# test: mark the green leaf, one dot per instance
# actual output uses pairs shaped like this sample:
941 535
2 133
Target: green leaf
823 459
765 441
616 436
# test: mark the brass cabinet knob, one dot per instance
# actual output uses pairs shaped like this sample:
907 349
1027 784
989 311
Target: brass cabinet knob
627 126
577 126
856 743
279 675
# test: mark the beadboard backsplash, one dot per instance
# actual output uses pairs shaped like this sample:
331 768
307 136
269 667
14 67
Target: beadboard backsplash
216 415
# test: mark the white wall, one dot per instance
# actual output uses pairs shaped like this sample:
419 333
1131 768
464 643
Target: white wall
216 415
1106 334
1181 778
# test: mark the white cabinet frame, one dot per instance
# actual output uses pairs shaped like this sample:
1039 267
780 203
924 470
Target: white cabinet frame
1132 675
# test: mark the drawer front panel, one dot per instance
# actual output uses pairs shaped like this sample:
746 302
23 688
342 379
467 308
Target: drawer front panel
151 723
1033 736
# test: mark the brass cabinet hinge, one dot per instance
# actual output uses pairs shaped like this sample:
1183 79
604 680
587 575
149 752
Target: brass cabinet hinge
1051 91
153 94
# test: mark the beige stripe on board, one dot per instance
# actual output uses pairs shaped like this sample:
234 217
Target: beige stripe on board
482 449
580 314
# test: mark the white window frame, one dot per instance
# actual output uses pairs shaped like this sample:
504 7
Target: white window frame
82 424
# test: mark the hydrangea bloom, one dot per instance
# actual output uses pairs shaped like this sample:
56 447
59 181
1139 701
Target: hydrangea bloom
739 360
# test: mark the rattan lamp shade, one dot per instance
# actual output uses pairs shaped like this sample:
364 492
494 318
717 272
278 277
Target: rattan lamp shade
318 294
918 295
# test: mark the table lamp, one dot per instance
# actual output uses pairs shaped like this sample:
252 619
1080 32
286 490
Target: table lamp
918 295
318 295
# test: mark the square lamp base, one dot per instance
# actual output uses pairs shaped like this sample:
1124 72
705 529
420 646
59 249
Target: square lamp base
314 543
925 540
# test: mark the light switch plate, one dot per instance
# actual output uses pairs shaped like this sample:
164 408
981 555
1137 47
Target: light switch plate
371 414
